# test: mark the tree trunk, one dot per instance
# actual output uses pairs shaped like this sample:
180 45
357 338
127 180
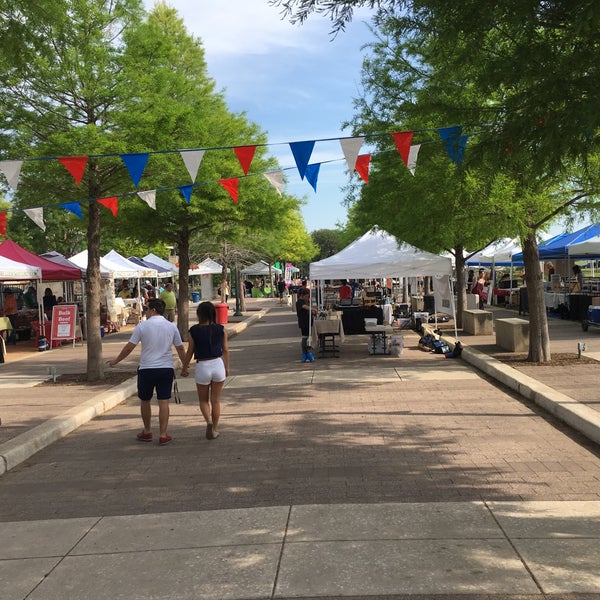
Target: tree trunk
461 291
539 337
183 299
93 299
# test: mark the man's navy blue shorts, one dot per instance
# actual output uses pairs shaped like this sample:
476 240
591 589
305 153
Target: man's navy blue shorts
149 379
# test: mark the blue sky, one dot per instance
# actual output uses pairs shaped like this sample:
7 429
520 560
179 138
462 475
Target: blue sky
295 82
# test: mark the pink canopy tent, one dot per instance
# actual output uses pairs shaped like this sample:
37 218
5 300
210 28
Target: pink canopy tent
51 271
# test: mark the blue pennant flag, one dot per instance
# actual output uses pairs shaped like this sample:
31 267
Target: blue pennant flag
454 142
186 192
135 163
73 207
302 152
312 174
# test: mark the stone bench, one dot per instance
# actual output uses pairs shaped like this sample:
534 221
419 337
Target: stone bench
512 334
478 322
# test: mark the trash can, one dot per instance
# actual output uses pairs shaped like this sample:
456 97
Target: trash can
222 310
195 296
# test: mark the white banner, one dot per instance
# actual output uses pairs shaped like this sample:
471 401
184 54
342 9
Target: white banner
442 295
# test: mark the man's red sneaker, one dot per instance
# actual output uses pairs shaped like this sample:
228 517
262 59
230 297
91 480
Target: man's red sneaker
163 441
142 436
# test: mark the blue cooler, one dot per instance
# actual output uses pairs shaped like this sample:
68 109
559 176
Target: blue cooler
594 314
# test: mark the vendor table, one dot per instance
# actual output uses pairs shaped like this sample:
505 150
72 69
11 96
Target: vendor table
327 335
553 299
353 317
379 343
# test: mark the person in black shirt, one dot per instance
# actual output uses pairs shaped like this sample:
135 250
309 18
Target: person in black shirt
304 313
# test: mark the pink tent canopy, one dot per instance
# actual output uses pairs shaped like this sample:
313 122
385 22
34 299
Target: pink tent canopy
50 271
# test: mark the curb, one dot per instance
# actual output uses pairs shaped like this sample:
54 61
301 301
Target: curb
574 413
20 448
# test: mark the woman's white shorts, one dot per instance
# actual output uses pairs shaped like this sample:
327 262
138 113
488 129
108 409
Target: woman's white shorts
211 370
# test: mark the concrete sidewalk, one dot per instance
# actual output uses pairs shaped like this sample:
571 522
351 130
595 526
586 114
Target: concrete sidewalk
362 476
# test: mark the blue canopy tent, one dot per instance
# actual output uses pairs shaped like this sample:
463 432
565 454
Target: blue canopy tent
558 246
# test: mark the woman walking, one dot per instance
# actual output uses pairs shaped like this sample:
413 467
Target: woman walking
208 346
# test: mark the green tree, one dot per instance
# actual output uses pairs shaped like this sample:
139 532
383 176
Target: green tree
328 242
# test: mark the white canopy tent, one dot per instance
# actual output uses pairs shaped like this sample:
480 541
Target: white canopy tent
589 248
260 268
377 254
165 264
207 267
108 269
11 270
124 263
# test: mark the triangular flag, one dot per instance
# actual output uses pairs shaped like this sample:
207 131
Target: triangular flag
351 148
312 174
231 185
275 178
74 208
111 203
3 224
403 141
245 155
11 170
37 216
135 163
186 192
75 165
149 198
192 161
454 142
412 158
362 166
302 152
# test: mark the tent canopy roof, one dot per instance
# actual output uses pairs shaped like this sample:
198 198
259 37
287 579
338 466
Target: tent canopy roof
140 271
161 272
260 268
156 260
108 269
11 270
50 270
590 247
378 254
558 246
207 267
499 253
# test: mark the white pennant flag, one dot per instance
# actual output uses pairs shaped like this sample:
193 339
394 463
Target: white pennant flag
149 198
37 216
351 148
11 170
192 161
275 178
412 158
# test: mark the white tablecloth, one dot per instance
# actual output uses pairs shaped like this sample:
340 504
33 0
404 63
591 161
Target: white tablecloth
553 299
327 326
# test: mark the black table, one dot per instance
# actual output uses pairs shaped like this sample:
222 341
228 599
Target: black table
353 317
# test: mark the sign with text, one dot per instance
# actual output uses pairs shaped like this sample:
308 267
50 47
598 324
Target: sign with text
63 321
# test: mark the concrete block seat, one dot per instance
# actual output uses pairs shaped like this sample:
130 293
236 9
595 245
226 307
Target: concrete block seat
512 334
478 322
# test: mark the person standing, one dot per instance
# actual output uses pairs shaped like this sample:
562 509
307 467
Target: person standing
281 288
479 286
304 313
155 370
345 291
208 345
30 298
49 301
170 300
11 310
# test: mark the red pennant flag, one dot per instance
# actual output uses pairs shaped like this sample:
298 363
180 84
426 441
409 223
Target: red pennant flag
403 141
362 166
231 185
111 203
75 165
3 224
245 155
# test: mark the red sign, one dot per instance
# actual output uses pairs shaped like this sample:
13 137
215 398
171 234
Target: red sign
63 321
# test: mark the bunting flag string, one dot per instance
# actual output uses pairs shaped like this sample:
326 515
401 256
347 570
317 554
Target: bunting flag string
302 152
75 165
73 207
37 216
231 185
454 142
351 148
362 166
186 192
11 170
149 198
192 160
412 158
403 141
275 178
312 174
245 155
111 203
135 163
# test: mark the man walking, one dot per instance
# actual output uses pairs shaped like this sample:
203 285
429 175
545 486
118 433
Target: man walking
170 300
156 366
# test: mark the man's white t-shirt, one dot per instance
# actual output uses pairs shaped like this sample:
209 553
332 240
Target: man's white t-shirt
157 336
